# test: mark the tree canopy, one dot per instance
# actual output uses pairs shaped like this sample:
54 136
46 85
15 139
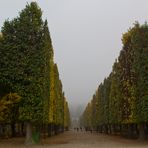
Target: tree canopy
28 70
121 102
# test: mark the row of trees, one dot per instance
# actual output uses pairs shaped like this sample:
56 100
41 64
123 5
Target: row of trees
120 104
31 93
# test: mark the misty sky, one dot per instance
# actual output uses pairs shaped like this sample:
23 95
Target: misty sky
86 36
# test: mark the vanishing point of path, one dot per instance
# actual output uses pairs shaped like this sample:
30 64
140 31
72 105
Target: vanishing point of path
74 139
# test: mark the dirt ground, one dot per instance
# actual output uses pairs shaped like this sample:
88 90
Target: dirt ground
73 139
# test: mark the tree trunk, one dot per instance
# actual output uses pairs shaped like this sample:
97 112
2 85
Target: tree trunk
22 129
141 131
146 129
52 129
113 128
49 130
137 131
120 129
100 129
130 131
62 128
29 139
106 129
13 132
55 129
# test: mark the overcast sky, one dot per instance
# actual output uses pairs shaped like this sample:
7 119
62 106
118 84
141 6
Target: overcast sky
86 36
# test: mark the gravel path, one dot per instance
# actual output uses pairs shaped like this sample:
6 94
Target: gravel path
77 140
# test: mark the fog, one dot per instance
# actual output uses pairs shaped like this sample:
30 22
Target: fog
86 36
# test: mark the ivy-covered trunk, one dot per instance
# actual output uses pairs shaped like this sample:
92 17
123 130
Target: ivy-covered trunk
29 139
